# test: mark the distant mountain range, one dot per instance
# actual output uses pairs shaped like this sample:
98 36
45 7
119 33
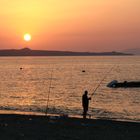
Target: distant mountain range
29 52
135 51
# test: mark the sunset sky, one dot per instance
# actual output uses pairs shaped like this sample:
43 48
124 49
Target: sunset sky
74 25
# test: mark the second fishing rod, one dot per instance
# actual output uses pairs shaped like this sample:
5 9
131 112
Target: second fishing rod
48 98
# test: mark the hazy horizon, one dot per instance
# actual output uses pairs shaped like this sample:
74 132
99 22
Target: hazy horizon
123 51
72 25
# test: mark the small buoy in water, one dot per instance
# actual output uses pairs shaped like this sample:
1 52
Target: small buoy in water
83 71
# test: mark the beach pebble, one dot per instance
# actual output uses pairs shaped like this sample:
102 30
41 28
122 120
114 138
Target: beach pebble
30 119
84 124
5 124
53 117
21 134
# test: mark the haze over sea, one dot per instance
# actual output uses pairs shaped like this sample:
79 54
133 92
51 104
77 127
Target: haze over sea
27 89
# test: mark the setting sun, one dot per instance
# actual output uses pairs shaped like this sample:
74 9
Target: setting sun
27 37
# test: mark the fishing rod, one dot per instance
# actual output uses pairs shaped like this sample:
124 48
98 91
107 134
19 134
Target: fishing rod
102 81
48 98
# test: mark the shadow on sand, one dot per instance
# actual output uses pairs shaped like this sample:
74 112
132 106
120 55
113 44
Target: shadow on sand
30 127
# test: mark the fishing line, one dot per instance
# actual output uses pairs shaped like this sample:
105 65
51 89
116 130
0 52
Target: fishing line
101 81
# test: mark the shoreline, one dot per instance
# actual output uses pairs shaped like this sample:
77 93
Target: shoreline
28 113
35 127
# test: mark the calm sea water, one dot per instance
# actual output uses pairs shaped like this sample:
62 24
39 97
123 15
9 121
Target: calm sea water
61 78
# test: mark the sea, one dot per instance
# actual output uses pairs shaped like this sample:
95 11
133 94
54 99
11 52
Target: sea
55 85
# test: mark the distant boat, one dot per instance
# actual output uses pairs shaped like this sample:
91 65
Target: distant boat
125 84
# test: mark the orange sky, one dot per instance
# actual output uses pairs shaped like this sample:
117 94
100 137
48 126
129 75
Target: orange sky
76 25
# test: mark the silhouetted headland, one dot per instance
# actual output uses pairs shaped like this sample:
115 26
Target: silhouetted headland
29 52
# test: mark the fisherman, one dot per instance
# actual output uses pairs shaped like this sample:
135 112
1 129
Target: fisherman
85 103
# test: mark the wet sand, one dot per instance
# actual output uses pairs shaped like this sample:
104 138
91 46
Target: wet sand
31 127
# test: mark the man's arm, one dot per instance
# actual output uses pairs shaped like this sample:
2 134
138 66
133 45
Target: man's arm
89 98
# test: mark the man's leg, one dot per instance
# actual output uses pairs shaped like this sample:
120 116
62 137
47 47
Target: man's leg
85 113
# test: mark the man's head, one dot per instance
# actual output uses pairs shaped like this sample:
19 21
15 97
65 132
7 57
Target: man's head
86 92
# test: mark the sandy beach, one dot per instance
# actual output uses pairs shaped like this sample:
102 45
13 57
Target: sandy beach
31 127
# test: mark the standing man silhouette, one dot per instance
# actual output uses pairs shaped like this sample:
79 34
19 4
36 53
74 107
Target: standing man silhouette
85 103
